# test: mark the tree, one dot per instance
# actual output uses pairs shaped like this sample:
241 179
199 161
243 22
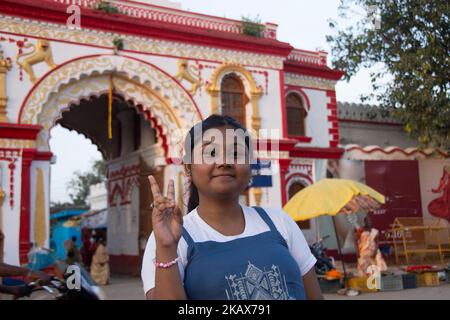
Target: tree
81 183
410 40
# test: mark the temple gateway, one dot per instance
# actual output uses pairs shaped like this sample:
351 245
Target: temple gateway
131 76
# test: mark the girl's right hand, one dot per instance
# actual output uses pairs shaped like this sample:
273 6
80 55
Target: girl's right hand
167 219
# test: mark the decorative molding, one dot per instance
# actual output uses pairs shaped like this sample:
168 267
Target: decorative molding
318 58
17 144
56 32
265 74
123 172
19 131
304 170
20 45
316 153
176 16
308 81
356 152
11 156
121 182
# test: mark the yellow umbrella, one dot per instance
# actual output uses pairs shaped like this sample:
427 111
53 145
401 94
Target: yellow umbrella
330 197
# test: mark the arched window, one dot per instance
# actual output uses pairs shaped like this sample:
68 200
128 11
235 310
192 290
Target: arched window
296 115
233 98
293 189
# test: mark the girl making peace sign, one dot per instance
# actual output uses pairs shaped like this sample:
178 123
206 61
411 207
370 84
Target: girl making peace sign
222 250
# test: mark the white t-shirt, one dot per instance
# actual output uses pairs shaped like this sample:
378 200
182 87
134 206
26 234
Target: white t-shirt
200 231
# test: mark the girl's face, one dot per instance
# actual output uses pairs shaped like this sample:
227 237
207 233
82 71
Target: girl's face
221 165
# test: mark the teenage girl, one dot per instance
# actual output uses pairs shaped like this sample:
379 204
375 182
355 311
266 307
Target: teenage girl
222 250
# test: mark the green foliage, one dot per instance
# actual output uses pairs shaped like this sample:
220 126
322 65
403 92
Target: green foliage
252 27
411 43
118 43
107 7
79 185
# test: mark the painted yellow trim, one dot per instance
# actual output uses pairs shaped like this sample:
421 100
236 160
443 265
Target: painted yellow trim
40 225
5 66
255 91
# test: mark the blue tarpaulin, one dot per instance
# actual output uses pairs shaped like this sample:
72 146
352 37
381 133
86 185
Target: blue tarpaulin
61 233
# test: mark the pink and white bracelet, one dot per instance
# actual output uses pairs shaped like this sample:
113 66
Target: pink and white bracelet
166 265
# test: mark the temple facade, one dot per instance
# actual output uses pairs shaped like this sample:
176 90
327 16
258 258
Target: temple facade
133 77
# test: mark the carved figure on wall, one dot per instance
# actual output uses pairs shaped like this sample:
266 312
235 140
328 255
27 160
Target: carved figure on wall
41 53
188 73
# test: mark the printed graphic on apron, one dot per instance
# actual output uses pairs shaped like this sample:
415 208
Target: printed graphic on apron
257 284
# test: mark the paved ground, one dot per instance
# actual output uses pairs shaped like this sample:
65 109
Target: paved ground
127 288
131 289
423 293
124 288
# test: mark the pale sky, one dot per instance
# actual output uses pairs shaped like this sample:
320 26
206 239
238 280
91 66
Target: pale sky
302 23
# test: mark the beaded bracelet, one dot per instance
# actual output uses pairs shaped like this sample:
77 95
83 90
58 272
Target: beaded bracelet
165 265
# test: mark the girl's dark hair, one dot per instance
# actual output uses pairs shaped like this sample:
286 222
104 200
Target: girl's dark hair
213 121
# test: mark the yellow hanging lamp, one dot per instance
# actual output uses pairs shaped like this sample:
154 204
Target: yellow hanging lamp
110 103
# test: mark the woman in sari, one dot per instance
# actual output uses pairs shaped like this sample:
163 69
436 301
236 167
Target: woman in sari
100 264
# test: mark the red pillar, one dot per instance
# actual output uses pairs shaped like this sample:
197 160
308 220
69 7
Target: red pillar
284 167
24 234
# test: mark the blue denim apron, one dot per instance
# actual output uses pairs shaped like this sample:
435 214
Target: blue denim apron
258 267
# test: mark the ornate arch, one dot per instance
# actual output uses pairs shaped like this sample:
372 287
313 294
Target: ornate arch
155 108
164 101
255 90
301 94
159 96
297 177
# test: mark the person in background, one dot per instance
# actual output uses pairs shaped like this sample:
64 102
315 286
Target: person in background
7 270
368 249
73 254
223 250
100 264
88 250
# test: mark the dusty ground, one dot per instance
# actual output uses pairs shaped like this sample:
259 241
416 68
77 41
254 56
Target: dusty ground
423 293
124 288
131 289
127 288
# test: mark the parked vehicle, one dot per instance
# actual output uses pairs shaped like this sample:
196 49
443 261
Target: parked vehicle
65 288
324 263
